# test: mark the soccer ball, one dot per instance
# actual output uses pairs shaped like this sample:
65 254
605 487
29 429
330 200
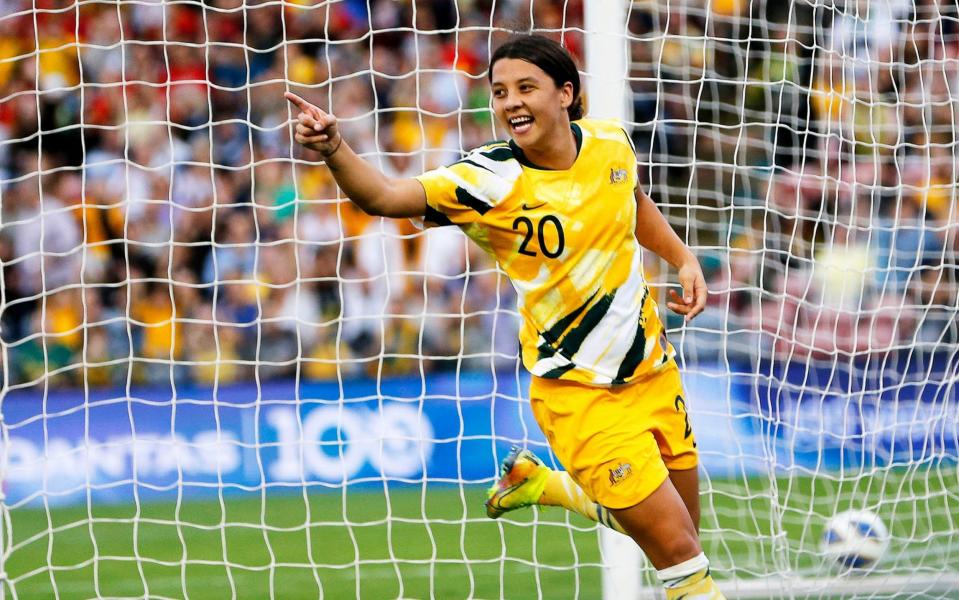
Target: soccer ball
855 539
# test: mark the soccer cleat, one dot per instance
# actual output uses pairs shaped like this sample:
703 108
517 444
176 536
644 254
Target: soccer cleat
522 479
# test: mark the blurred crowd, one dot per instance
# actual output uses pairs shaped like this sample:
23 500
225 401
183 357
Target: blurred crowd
159 224
810 152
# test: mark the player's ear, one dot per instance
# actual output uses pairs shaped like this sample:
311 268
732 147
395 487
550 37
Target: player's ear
566 95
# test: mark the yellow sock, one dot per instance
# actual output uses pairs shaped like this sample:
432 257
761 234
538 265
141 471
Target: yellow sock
561 490
690 580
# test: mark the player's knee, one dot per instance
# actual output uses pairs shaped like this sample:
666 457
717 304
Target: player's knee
680 548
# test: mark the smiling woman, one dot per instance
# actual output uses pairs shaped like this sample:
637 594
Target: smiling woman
559 208
528 79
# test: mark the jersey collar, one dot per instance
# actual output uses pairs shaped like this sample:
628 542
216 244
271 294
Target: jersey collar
521 156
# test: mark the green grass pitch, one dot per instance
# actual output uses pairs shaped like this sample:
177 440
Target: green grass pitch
365 543
439 544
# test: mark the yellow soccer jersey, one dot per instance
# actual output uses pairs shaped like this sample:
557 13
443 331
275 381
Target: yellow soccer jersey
567 241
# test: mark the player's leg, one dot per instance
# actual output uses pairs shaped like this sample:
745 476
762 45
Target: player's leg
655 483
562 491
686 482
661 526
525 481
689 578
618 446
665 531
560 408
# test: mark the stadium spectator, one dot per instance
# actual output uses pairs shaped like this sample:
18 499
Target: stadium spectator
178 130
45 235
234 254
108 337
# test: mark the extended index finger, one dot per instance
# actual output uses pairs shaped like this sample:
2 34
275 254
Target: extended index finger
301 103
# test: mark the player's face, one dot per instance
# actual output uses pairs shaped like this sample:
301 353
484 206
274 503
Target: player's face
528 103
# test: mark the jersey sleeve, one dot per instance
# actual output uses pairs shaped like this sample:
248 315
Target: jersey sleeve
461 193
442 186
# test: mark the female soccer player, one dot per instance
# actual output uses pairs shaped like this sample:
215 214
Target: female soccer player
559 208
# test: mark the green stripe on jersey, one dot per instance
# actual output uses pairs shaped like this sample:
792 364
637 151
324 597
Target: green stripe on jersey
552 334
434 216
637 350
557 372
634 356
574 339
467 199
499 154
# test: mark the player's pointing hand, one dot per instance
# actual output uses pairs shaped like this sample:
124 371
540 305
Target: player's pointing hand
315 128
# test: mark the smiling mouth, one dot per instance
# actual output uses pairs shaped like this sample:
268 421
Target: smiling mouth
521 124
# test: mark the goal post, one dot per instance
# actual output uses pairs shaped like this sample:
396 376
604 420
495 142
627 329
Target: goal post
609 97
221 379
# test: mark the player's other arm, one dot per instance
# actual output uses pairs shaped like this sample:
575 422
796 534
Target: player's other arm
366 186
654 233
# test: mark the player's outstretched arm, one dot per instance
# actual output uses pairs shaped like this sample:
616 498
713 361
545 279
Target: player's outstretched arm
366 186
654 233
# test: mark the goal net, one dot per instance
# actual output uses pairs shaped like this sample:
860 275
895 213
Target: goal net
220 379
807 150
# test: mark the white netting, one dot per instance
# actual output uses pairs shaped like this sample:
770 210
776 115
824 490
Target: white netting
808 150
221 379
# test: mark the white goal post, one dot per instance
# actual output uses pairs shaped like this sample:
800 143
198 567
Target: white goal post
607 88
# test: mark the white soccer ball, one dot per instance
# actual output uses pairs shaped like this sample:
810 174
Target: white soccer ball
855 539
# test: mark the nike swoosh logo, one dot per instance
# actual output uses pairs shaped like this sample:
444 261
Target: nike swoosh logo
525 207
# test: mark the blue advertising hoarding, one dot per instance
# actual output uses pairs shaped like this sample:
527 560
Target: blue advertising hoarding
439 429
165 442
855 415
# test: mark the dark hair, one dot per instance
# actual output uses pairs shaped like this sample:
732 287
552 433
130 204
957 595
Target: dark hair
549 56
